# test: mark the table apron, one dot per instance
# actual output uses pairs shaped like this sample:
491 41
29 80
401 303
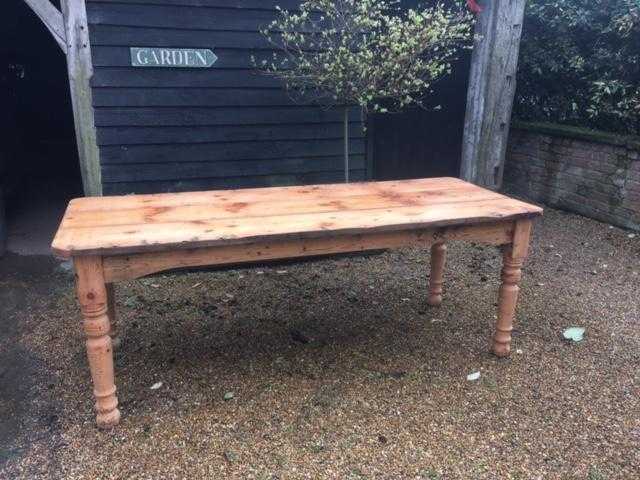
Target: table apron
131 266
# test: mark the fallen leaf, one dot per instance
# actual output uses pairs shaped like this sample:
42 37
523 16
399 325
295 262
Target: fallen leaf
473 376
131 302
228 396
575 334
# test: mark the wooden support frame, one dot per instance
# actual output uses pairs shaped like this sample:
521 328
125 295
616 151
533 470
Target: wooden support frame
492 84
70 30
96 275
124 238
128 267
80 70
489 96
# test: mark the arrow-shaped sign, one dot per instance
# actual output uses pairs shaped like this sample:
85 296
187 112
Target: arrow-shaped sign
172 57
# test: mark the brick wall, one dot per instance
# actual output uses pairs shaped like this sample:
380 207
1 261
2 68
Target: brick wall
594 174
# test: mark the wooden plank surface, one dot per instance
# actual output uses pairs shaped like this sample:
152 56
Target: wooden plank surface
224 170
228 113
134 224
127 117
206 152
231 133
253 181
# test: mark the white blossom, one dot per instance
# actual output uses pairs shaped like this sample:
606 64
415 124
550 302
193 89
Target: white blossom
365 52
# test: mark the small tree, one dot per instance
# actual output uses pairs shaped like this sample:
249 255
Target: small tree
366 53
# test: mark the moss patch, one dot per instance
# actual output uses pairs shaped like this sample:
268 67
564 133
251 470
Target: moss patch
579 133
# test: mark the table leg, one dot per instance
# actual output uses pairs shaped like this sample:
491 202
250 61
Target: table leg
438 258
92 296
512 260
113 316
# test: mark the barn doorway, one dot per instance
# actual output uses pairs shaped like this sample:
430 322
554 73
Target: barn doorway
420 143
38 158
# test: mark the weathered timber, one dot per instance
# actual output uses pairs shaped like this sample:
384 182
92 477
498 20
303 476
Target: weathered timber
135 224
492 83
80 71
127 267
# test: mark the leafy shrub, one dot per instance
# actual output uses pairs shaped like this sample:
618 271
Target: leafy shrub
580 64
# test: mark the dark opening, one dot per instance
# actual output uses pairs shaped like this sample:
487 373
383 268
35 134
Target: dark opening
39 170
420 143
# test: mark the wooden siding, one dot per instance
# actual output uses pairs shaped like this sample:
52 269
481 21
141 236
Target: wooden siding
228 126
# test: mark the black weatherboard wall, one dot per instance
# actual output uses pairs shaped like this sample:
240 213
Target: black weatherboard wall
166 129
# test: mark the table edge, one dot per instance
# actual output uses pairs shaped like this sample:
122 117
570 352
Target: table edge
66 253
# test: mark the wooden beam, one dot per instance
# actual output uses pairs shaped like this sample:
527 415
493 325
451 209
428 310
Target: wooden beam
492 84
52 19
80 70
127 267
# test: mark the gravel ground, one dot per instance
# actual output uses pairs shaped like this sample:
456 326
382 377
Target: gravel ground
337 369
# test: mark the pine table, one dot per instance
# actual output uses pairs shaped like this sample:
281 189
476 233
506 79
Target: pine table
127 237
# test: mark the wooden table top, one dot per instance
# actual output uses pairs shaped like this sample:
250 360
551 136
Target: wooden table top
141 223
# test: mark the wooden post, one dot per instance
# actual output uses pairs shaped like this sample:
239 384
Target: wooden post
71 31
512 261
80 70
438 258
492 84
92 296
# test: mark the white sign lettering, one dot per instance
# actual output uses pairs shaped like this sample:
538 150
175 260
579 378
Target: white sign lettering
172 57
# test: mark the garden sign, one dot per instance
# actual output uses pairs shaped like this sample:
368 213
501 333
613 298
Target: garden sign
172 57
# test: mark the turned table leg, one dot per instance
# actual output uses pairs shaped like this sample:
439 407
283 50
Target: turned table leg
113 316
92 296
512 260
438 258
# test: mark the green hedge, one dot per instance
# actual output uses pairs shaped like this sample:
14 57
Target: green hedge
580 64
